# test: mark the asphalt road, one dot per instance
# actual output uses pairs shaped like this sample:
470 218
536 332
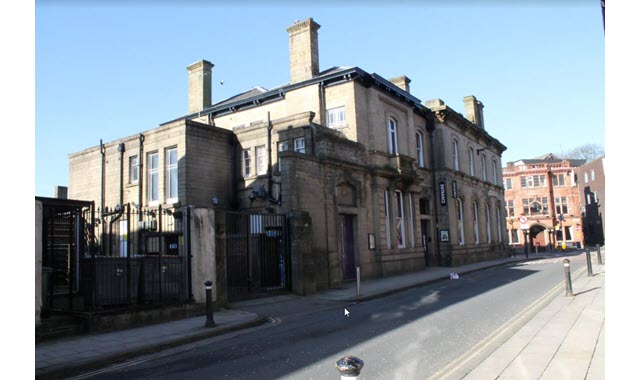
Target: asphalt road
408 335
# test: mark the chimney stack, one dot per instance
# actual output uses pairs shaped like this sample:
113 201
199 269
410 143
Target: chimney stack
60 192
303 50
199 85
473 110
402 82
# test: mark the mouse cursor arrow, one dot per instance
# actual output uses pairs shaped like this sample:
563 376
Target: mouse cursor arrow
346 312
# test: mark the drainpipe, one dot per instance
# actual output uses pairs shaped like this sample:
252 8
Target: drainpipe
140 176
102 153
119 206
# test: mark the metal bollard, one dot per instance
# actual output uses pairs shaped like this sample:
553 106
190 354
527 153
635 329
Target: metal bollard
589 267
358 282
210 322
567 278
599 256
349 367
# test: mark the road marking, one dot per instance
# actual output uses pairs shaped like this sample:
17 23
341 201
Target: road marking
456 364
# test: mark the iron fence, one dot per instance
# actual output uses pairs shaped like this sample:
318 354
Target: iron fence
116 258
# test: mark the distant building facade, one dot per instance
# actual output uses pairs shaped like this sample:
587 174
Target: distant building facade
543 192
591 182
390 184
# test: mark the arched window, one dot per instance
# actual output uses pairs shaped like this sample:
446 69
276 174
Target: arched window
476 238
488 222
420 149
495 172
460 217
392 131
472 170
456 160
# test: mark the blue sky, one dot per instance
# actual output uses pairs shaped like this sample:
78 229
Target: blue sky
112 70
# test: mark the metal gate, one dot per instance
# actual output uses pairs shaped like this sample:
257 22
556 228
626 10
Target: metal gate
258 255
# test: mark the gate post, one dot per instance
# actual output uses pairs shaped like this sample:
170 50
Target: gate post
222 293
203 250
303 269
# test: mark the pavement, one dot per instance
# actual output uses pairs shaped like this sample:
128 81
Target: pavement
564 340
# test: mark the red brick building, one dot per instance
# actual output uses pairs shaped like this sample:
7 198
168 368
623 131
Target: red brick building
543 192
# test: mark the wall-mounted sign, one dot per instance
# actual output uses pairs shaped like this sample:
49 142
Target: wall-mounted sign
372 241
443 194
454 189
444 235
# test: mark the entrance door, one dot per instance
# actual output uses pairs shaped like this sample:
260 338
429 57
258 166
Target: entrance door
426 240
347 223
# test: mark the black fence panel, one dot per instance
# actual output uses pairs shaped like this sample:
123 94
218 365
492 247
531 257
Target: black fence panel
114 258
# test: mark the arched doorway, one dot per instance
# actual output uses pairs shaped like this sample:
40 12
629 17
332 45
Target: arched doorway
537 238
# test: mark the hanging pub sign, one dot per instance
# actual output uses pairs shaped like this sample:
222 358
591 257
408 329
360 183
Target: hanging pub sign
454 189
443 194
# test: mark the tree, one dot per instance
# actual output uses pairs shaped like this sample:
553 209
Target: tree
583 152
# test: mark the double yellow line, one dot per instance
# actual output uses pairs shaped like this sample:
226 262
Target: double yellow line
462 360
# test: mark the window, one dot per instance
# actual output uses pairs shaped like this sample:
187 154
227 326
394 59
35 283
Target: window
509 184
515 238
511 211
533 181
562 206
595 197
261 161
282 146
487 215
298 145
171 175
246 163
152 181
420 149
495 173
484 167
498 217
335 117
593 175
588 199
400 220
558 180
392 135
424 206
472 171
523 182
586 178
134 168
456 161
386 217
476 238
460 217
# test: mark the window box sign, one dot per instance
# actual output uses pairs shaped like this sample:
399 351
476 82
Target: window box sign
444 236
443 194
454 189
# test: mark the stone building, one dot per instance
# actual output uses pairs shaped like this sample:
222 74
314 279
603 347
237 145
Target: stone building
543 190
591 184
390 184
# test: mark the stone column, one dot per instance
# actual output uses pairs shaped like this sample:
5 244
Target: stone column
203 250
